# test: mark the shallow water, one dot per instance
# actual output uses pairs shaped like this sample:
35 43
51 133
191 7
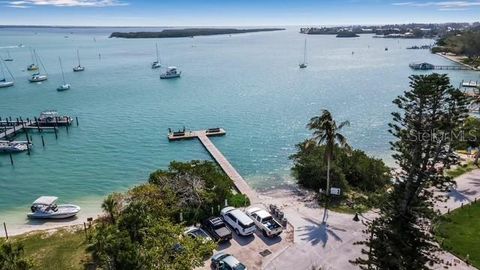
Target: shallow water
248 84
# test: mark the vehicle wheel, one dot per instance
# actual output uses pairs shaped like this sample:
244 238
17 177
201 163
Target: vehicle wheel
265 233
237 231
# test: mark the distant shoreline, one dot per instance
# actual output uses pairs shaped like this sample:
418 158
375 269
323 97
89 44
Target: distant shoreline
190 32
456 59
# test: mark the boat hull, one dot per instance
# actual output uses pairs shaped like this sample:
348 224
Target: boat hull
78 69
38 79
6 84
64 211
63 87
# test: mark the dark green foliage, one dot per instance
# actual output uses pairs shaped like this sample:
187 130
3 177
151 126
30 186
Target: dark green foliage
465 43
12 256
194 188
468 135
350 169
141 232
430 111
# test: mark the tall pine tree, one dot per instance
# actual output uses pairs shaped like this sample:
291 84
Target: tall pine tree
400 238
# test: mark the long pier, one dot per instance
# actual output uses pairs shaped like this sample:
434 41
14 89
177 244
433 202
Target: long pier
230 171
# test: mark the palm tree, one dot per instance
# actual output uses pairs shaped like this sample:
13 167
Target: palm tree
110 206
326 131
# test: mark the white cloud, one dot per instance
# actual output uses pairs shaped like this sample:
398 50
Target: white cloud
64 3
442 5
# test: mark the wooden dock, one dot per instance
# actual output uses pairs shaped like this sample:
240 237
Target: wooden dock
203 136
11 127
428 66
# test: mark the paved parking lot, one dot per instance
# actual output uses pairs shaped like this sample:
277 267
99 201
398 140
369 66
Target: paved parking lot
248 249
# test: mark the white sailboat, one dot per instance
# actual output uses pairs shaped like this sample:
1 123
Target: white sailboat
64 86
38 77
33 66
304 64
3 80
156 64
9 57
79 67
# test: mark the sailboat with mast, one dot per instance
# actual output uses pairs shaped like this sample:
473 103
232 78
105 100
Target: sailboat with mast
64 86
33 66
304 64
9 57
3 80
38 77
156 64
79 67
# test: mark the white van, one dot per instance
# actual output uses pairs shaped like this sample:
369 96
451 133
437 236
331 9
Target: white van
239 221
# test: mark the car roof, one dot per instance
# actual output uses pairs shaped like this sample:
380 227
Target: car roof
259 212
241 216
231 261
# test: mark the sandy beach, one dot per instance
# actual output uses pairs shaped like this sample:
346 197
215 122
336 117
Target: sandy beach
457 59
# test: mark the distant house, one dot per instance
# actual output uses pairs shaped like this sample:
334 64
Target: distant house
421 66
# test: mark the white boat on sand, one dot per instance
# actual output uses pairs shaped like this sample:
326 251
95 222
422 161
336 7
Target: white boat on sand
45 207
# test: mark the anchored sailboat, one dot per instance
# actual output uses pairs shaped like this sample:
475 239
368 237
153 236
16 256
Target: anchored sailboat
3 80
38 77
79 67
9 57
33 66
64 86
304 64
156 64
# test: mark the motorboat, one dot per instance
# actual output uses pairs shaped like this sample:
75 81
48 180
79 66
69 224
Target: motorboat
52 118
37 77
170 73
13 147
63 87
45 207
79 67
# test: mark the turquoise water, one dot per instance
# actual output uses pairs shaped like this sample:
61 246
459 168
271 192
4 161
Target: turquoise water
248 84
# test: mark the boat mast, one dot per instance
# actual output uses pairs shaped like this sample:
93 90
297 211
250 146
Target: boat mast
61 67
305 52
78 57
31 53
3 71
156 47
40 60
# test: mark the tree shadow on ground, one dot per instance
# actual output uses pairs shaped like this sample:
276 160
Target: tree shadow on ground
319 233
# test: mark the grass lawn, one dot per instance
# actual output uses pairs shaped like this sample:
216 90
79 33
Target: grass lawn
461 169
459 233
52 251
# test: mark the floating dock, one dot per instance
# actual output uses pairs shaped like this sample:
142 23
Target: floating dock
11 127
428 66
203 137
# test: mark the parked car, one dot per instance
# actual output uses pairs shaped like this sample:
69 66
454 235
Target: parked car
196 232
264 221
224 261
239 221
217 229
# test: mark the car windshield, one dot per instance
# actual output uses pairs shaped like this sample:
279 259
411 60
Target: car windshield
198 233
239 266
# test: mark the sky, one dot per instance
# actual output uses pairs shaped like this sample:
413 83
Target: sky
233 12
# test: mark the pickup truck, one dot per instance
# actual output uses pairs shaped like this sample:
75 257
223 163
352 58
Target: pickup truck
217 229
264 221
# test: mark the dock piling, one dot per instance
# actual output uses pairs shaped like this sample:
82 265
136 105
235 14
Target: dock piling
76 120
11 159
43 142
5 228
55 130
